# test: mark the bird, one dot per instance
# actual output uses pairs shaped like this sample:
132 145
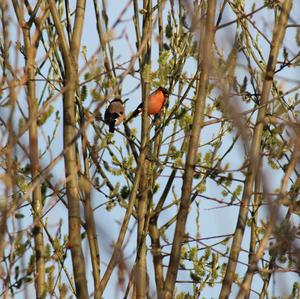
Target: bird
156 102
114 114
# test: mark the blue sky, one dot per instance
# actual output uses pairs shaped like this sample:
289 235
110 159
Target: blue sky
214 221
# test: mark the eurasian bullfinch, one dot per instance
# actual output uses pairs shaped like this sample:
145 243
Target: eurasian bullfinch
114 114
156 102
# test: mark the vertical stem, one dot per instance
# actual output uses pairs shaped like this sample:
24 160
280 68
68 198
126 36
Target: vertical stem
70 59
207 43
278 35
117 249
89 215
37 203
102 40
245 286
93 242
157 257
136 22
141 271
160 28
10 144
71 169
8 179
253 237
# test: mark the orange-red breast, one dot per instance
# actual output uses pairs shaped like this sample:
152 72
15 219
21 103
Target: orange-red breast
156 102
114 114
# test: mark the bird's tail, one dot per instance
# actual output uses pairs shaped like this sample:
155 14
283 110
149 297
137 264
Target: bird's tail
112 126
112 122
135 113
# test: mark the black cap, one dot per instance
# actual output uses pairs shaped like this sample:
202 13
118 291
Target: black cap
164 90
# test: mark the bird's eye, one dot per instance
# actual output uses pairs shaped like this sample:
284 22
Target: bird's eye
121 112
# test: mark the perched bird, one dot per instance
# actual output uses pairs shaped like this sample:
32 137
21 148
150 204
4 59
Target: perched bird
114 114
156 102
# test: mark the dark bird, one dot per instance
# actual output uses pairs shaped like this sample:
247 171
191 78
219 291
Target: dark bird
114 114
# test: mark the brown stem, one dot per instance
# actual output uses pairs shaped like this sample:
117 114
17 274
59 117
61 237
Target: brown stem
37 202
117 249
9 177
34 161
141 270
192 153
160 27
141 267
157 258
245 287
102 40
155 232
70 57
253 238
255 149
88 209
